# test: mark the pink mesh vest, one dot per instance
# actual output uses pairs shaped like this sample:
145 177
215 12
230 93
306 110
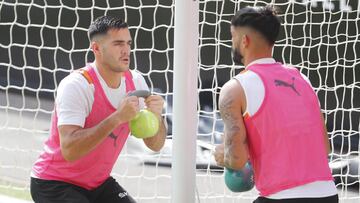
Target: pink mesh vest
94 168
286 135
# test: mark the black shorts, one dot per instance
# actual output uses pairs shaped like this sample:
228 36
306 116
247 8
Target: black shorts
331 199
50 191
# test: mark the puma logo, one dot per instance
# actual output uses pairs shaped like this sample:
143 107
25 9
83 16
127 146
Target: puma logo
285 84
113 137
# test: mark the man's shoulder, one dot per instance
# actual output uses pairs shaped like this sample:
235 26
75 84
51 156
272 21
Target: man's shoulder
246 75
75 80
231 86
136 75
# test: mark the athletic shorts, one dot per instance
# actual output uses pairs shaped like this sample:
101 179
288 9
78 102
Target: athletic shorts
51 191
330 199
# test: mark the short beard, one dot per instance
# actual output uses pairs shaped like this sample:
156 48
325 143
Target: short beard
236 56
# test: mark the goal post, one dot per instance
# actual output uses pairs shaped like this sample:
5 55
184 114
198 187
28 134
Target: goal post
186 40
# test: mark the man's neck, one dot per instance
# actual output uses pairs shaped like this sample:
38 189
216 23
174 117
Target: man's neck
111 78
252 58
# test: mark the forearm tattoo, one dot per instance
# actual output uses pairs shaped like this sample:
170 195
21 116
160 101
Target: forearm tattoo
230 118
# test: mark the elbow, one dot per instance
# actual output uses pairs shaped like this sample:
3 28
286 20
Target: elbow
67 153
156 147
68 149
68 158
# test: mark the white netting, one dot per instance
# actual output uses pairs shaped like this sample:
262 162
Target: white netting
42 41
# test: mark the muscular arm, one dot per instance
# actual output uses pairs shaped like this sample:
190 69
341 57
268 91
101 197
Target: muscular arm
75 142
155 104
235 146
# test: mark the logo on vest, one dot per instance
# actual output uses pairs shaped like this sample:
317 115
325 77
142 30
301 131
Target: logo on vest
285 84
112 136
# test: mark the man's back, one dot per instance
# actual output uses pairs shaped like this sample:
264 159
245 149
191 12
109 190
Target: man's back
285 136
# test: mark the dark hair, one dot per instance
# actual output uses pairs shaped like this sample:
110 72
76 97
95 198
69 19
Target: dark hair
262 19
102 24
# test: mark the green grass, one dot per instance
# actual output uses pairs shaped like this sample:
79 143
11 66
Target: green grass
19 193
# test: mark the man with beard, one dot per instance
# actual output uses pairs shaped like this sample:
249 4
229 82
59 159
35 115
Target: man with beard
272 117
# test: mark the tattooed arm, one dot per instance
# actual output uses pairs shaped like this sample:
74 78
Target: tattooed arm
232 103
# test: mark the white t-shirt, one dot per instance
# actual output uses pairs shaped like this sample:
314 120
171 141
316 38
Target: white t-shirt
254 94
75 96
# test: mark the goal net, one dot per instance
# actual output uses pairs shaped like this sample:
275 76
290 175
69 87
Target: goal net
43 41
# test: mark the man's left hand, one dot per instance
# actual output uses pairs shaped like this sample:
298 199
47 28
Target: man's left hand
155 104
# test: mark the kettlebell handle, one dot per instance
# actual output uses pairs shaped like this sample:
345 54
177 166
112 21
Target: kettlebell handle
139 93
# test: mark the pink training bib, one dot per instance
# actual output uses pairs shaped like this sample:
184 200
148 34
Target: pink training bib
286 135
94 168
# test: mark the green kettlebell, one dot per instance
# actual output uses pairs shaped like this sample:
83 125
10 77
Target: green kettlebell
240 180
145 124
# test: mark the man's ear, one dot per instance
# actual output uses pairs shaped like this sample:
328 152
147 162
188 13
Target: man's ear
245 40
95 47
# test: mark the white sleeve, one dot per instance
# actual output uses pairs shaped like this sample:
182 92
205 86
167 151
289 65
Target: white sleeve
140 84
308 81
74 100
306 78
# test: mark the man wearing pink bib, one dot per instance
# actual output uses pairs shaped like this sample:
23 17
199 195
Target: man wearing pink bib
272 117
90 123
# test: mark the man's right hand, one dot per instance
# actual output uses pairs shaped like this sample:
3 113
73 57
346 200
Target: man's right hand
219 155
128 109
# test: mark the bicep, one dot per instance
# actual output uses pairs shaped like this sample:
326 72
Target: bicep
66 131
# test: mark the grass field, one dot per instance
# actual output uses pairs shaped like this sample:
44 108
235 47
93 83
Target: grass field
18 193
